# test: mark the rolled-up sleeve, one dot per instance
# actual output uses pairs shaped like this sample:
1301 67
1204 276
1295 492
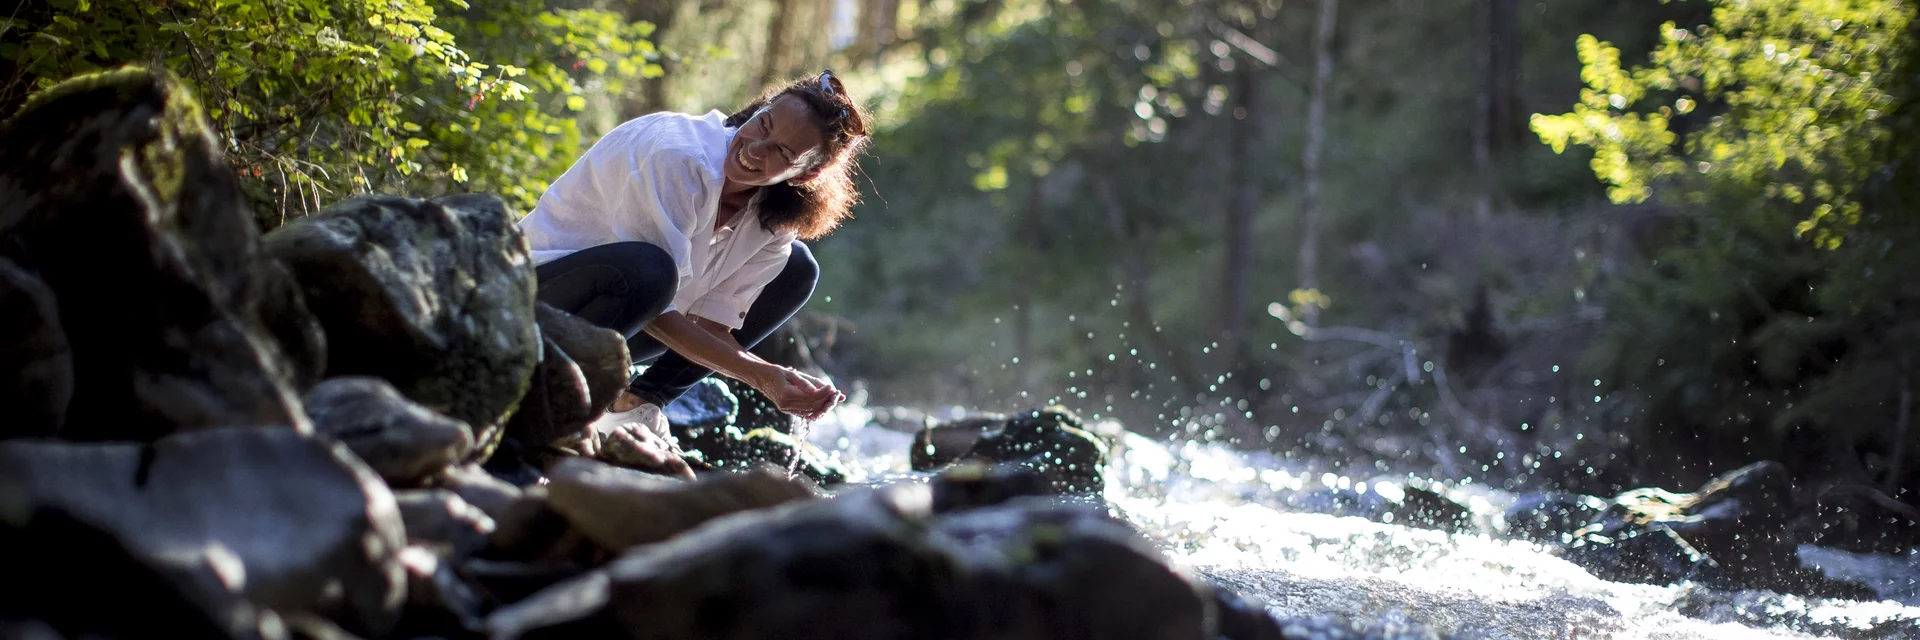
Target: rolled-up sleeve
728 302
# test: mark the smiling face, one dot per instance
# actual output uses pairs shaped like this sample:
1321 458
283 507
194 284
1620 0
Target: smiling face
780 142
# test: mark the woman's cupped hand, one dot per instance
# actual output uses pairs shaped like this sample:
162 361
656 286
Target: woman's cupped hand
799 394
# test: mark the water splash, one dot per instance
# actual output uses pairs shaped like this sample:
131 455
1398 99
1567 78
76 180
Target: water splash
1222 513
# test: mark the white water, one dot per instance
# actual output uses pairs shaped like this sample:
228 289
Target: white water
1213 510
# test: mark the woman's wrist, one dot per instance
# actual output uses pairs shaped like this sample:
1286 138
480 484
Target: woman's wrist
763 375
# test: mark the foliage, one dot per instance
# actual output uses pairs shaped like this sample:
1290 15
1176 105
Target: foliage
1790 96
1778 322
319 99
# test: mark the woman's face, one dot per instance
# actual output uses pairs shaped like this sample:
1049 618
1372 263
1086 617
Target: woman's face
778 143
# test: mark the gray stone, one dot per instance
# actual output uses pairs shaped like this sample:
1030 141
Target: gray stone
558 403
1049 440
114 193
599 352
870 564
36 363
619 508
403 442
437 519
435 296
290 522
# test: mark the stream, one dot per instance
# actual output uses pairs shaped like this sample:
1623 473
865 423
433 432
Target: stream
1220 512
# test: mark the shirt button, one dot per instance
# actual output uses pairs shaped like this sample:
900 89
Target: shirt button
743 314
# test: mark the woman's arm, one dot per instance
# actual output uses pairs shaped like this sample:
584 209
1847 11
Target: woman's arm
712 345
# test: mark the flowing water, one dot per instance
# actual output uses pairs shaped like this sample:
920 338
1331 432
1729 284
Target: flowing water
1218 512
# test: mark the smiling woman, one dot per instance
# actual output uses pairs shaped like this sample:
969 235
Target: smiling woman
645 235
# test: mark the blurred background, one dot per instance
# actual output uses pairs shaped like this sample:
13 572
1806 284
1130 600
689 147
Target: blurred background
1586 244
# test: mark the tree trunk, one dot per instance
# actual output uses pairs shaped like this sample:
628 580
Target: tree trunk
1243 192
1023 297
1495 125
773 65
1136 273
1310 161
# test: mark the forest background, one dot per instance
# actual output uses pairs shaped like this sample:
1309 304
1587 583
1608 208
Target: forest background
1589 244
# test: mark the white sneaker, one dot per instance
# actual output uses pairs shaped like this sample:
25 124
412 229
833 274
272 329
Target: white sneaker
647 415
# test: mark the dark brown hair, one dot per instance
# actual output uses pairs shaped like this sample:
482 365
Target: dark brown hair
813 208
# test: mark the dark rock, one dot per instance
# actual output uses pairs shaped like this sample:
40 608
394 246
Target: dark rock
974 485
1651 554
1552 517
290 522
708 404
728 449
942 443
1734 533
113 192
1861 519
59 569
1049 441
558 403
1242 620
703 421
1389 500
512 581
435 296
620 508
404 442
599 352
756 410
1073 572
438 520
36 363
490 495
869 565
285 316
441 602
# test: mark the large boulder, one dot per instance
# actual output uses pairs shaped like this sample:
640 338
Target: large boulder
1048 440
403 442
1734 533
114 194
435 296
875 564
36 379
61 569
290 522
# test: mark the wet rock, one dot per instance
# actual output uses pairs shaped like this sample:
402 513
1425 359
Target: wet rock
37 381
702 421
1734 533
558 403
72 567
290 522
1651 554
756 410
403 442
970 486
1049 441
619 508
942 443
435 296
599 352
1389 500
708 404
440 601
1242 620
1861 519
438 520
869 565
1551 517
114 194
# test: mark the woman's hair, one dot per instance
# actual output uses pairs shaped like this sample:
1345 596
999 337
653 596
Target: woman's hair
813 208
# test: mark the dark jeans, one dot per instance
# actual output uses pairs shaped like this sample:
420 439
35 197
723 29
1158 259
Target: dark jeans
623 285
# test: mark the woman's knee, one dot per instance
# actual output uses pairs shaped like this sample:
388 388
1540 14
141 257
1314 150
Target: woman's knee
647 268
801 267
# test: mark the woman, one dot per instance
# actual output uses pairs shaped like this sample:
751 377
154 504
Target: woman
684 233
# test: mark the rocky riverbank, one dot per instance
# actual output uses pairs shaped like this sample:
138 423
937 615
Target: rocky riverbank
363 425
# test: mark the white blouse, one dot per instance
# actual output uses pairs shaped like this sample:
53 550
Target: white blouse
657 179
